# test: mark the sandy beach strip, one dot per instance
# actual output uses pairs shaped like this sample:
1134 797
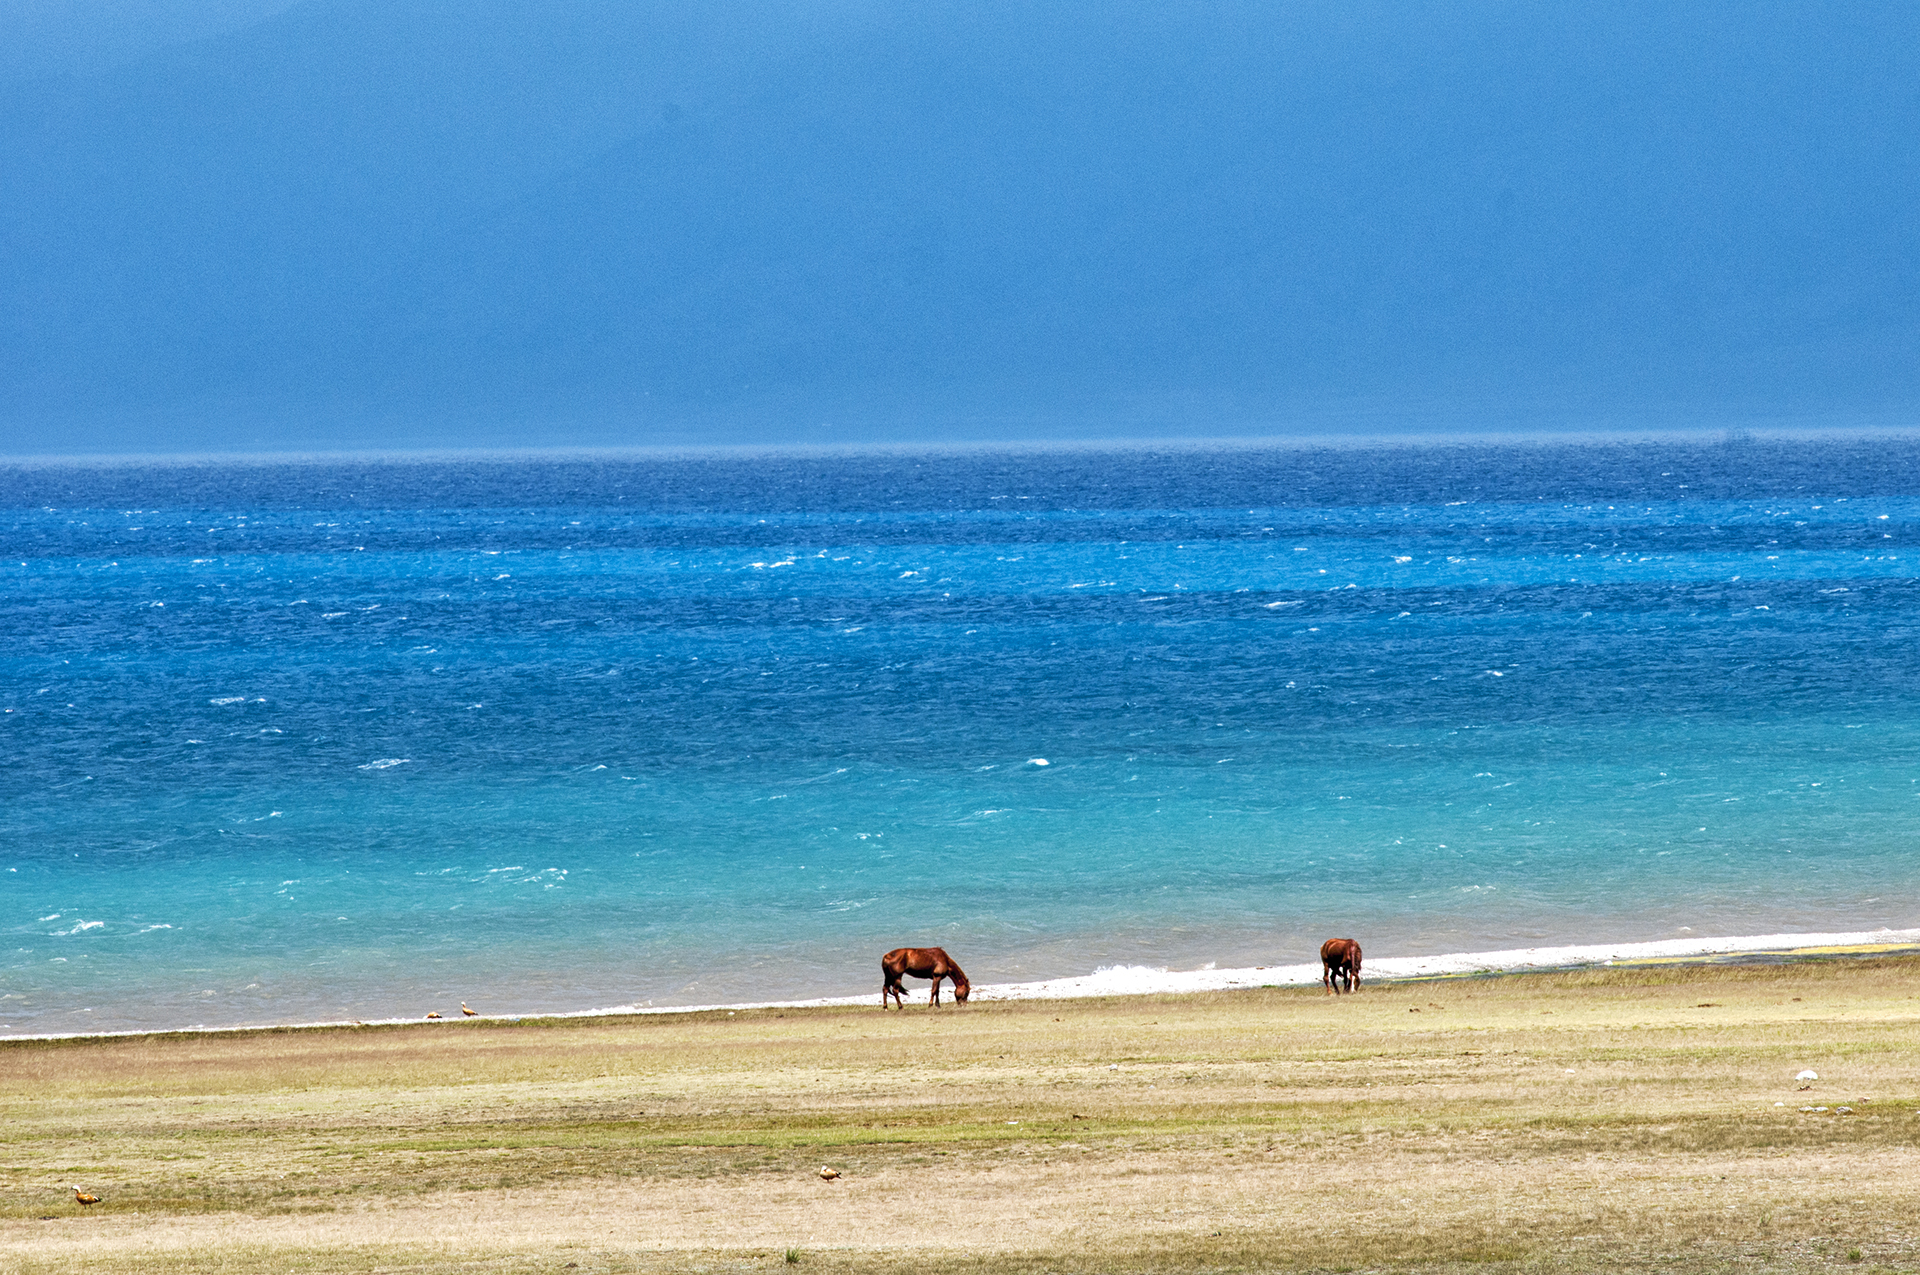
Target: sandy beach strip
1145 980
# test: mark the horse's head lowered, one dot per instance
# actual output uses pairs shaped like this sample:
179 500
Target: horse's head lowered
961 988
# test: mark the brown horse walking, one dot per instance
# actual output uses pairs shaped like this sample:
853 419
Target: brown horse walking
1340 959
921 962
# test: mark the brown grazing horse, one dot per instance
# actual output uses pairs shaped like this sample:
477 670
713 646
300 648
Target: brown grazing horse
921 962
1340 958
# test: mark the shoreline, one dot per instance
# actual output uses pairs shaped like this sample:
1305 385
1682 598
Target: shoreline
1140 980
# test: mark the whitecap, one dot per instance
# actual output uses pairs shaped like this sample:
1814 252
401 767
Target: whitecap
1272 605
1038 761
385 762
228 699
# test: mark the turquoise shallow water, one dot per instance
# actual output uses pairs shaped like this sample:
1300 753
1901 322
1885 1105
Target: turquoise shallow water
295 742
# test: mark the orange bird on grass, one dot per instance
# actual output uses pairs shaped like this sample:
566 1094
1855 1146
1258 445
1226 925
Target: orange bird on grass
81 1197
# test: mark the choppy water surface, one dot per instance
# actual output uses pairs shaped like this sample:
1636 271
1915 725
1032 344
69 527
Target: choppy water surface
309 741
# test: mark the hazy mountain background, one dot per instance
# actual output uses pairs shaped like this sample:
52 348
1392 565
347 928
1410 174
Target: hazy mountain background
250 224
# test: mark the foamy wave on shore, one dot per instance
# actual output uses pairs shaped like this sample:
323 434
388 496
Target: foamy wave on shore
1139 980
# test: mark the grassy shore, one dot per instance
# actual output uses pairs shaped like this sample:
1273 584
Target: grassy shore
1637 1119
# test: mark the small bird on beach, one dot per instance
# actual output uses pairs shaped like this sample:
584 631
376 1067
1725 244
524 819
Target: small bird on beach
81 1197
827 1174
433 1013
470 1013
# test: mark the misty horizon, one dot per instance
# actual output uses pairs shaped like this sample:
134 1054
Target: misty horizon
342 225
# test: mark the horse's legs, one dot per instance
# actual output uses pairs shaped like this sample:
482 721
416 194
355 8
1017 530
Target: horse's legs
1327 977
935 999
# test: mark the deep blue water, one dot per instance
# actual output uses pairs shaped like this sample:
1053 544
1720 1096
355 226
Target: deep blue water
301 741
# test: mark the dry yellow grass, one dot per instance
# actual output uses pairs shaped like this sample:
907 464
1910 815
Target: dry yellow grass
1619 1119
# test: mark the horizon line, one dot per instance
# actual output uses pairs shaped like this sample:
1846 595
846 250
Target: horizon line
1345 441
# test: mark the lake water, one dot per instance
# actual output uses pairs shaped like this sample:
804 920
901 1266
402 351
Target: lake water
305 741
